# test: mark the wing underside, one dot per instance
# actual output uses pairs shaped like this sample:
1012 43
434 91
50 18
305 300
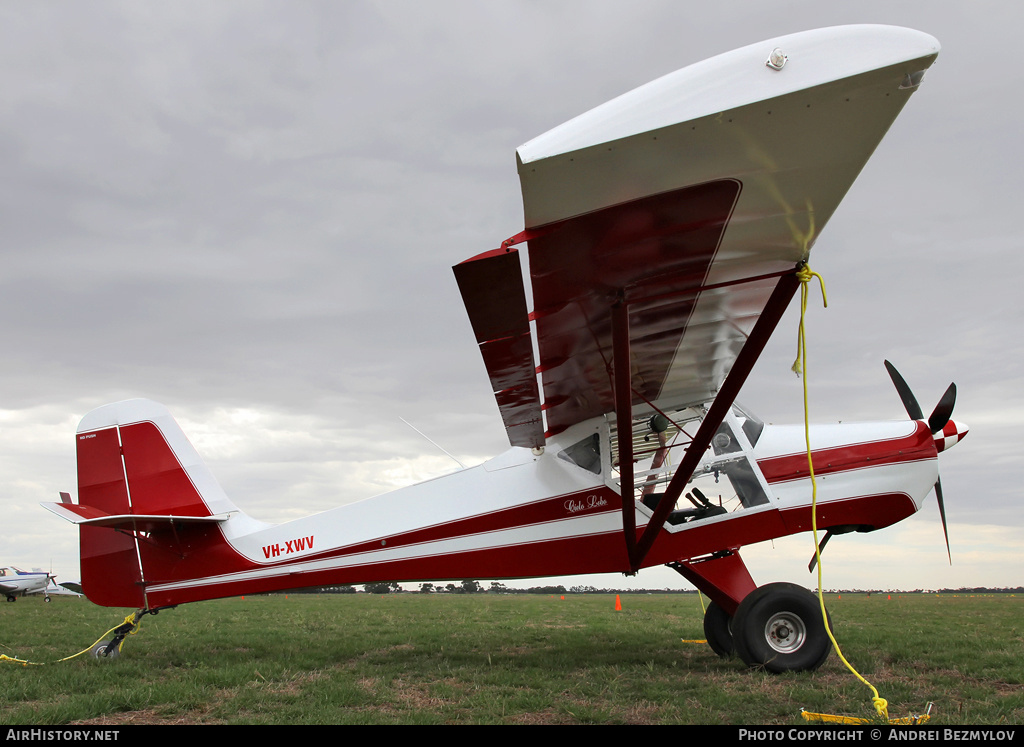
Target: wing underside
685 217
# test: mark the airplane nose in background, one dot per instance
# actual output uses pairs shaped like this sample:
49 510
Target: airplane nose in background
951 433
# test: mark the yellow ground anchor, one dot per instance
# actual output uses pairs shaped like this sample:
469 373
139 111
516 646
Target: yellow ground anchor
830 719
704 610
804 275
127 627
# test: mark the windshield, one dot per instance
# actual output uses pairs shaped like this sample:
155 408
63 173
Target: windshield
751 424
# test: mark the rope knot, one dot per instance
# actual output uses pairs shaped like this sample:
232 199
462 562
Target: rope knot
882 706
804 274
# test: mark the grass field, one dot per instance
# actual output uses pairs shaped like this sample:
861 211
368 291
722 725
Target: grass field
498 659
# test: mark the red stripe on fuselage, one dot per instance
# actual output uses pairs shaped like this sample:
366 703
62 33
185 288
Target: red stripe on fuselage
569 556
917 446
210 555
598 553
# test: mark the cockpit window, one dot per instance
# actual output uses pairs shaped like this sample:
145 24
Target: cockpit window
744 482
726 479
585 454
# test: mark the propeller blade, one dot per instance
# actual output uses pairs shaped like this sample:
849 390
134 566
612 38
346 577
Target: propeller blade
942 515
936 422
943 411
821 548
909 401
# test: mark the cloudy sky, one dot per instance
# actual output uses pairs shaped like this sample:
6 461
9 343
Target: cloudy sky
249 212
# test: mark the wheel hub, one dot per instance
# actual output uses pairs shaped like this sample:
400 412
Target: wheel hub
785 632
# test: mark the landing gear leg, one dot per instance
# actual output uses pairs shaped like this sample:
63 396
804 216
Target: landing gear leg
724 578
112 649
778 627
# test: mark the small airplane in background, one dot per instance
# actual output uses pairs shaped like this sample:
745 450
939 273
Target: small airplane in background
15 583
667 231
66 589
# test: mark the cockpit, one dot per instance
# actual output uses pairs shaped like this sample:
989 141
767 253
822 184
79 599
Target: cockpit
726 479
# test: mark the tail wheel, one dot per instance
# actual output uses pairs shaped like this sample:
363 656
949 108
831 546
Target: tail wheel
99 651
718 631
779 627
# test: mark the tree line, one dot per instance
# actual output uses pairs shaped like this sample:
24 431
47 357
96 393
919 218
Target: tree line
470 586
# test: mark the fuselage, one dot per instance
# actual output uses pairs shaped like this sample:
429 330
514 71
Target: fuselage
15 582
526 514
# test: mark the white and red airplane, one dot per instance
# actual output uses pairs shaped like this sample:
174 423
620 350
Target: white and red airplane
15 583
664 232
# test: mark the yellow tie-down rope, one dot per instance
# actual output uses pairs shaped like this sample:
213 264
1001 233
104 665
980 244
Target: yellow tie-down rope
704 609
130 620
804 275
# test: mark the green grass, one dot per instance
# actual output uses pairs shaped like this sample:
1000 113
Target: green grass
486 659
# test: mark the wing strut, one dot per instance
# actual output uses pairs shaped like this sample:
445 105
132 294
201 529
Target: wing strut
624 425
637 549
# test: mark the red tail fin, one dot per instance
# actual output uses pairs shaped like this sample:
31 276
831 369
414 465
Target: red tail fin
141 489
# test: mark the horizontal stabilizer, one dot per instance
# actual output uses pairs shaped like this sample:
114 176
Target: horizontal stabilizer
90 516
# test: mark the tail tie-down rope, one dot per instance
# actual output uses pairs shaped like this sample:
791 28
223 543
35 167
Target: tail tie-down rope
129 626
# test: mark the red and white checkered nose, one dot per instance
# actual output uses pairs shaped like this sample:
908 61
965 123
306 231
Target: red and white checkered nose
950 434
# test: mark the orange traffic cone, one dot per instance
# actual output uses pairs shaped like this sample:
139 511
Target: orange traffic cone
618 604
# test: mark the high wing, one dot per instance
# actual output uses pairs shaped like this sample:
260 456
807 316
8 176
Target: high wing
69 587
674 213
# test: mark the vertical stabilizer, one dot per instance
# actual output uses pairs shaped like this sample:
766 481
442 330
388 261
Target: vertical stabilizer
155 499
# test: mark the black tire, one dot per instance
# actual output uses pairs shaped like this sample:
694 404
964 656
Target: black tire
717 630
778 627
98 651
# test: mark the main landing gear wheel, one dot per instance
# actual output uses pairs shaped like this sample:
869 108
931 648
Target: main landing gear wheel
779 627
11 598
717 629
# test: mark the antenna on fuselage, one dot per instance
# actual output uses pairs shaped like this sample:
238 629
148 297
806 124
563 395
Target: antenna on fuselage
463 466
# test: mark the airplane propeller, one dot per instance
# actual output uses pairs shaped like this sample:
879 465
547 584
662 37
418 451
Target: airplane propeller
945 431
937 422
